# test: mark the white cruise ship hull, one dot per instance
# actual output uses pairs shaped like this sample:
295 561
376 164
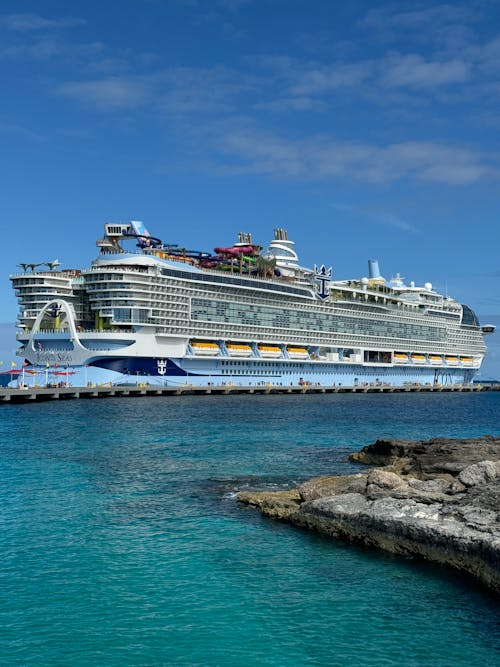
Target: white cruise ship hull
125 361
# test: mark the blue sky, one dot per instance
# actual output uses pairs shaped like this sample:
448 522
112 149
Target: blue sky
367 130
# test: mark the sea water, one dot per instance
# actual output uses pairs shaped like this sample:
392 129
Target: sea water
121 542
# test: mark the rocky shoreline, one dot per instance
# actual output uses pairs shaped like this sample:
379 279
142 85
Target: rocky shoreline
437 499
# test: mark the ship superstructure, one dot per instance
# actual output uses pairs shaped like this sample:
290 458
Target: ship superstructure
166 314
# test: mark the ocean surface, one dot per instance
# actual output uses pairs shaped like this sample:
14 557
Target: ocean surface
121 542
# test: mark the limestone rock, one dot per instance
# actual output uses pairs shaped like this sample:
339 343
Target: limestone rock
424 459
318 487
275 504
457 487
438 500
437 485
478 473
385 479
486 496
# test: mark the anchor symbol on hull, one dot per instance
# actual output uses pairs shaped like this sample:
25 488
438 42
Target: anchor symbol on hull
161 365
322 277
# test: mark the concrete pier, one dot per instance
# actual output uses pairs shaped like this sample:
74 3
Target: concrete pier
29 394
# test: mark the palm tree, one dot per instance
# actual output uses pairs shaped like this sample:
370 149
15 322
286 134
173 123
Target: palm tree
26 266
52 265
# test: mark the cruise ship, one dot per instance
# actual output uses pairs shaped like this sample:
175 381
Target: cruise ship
149 312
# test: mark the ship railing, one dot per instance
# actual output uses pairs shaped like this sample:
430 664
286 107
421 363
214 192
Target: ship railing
70 273
78 330
209 271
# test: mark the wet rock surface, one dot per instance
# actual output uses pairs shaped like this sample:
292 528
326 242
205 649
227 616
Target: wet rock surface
439 500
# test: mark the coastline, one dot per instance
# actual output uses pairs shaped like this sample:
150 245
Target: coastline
436 499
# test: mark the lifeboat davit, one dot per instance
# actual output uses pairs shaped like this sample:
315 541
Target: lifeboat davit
418 358
239 349
205 348
269 351
295 352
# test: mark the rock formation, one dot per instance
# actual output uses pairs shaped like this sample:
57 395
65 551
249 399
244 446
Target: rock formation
439 500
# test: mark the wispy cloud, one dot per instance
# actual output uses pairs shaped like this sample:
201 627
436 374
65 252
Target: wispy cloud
207 90
177 90
231 5
413 71
319 80
110 93
244 147
234 5
398 223
366 214
294 85
34 22
341 206
251 150
393 82
390 19
297 103
49 48
21 131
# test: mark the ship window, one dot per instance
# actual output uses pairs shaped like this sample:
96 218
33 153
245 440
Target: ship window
469 316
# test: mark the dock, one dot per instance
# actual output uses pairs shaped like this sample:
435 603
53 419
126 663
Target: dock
30 394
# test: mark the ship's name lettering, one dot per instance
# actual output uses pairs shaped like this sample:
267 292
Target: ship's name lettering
51 357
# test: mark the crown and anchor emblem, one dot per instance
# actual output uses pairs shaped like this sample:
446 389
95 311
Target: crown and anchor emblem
323 278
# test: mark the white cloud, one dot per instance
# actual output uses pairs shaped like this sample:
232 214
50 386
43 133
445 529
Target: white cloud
33 22
48 48
109 93
413 71
177 90
206 90
319 80
399 223
283 104
391 18
341 206
365 214
250 150
42 49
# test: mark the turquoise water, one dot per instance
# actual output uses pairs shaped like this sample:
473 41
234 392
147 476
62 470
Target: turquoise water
122 544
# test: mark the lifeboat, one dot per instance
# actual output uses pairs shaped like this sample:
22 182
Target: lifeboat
435 358
400 357
269 351
297 352
466 360
451 360
205 348
239 349
418 358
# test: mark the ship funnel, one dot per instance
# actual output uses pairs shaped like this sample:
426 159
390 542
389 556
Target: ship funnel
280 234
245 238
373 269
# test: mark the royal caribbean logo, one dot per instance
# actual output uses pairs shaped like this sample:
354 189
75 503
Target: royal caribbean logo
323 277
161 366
